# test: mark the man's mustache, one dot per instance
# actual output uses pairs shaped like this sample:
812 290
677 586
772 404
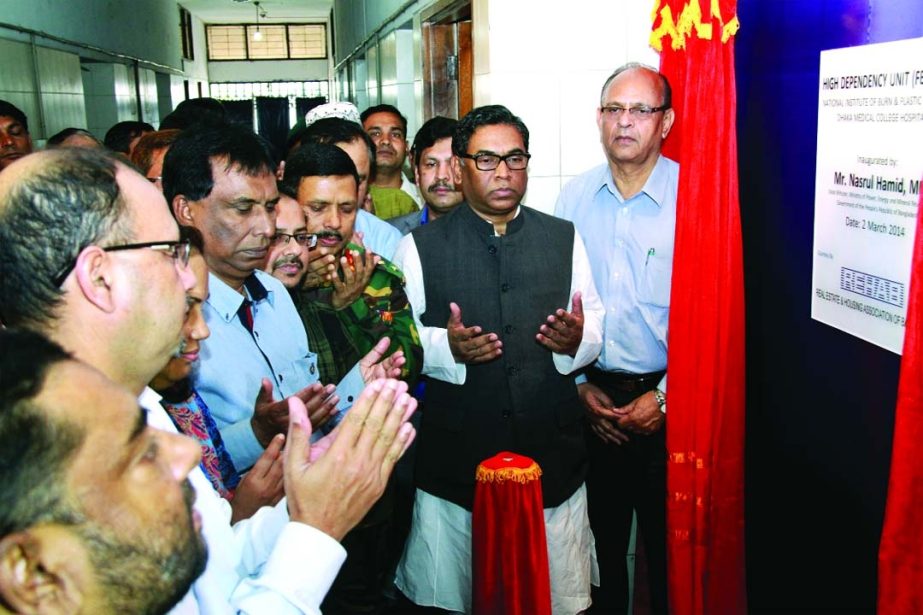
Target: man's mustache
441 184
326 234
287 260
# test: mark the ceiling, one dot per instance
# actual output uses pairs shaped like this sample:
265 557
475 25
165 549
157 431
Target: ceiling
232 11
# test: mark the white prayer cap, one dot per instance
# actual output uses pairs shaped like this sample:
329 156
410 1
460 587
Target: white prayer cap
342 110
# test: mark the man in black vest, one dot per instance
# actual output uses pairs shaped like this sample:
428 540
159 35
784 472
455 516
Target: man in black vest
504 323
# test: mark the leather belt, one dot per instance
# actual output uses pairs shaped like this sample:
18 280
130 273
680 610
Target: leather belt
624 381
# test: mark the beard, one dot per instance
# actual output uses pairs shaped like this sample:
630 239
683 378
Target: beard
147 574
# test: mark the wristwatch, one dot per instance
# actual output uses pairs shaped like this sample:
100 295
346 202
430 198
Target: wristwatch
661 400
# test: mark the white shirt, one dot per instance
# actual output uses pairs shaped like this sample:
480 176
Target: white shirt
266 564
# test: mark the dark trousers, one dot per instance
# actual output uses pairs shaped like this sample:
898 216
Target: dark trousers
625 478
359 587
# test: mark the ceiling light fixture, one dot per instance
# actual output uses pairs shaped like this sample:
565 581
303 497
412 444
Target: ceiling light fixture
257 35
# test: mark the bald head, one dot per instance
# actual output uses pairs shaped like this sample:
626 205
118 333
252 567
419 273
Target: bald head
658 81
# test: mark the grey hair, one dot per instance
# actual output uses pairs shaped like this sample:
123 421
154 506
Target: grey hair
47 218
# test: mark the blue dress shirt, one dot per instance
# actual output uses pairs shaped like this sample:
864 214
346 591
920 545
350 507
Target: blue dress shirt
233 362
378 236
630 245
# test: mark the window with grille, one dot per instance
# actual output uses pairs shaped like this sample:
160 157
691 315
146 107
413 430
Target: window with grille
308 41
226 42
274 42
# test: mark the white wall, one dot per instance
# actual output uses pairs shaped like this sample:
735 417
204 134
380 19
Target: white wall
265 70
547 66
544 59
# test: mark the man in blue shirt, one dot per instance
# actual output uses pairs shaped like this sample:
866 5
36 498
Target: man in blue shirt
220 179
626 212
432 168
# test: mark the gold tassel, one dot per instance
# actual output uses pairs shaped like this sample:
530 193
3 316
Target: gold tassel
520 475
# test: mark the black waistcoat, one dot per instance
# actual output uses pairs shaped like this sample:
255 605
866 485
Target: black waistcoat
507 285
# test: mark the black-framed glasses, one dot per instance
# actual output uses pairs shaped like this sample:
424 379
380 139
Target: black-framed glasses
517 161
642 112
309 240
177 250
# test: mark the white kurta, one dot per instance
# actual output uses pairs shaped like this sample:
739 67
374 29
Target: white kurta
264 564
435 569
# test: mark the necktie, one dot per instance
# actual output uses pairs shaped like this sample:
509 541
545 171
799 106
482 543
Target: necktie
245 313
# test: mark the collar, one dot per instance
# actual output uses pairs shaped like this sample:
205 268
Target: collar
656 187
486 227
424 217
226 301
149 397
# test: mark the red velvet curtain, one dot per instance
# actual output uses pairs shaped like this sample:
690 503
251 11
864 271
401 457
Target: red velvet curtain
705 400
900 554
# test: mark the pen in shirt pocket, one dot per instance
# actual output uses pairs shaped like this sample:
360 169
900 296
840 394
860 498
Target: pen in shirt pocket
650 253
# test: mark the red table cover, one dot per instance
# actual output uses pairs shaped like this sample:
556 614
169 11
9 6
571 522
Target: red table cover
509 552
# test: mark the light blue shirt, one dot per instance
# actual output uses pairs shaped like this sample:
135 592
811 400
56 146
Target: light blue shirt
630 245
378 236
233 363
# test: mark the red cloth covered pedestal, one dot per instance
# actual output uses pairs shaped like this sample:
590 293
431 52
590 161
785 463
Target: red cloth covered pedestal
509 553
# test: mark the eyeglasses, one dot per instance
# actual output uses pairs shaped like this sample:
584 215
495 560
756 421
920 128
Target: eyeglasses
517 161
177 250
302 239
641 112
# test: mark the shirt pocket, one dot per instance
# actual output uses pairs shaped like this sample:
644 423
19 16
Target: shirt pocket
298 374
656 280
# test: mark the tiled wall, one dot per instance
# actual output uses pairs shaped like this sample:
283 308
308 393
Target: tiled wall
547 65
110 95
372 77
61 90
17 82
397 74
150 111
59 101
92 95
360 86
170 92
72 85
